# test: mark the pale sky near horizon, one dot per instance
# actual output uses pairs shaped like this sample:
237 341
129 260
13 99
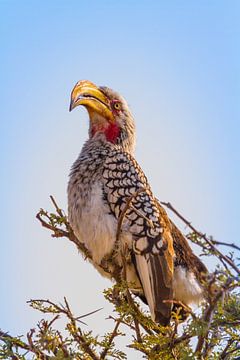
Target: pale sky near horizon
178 65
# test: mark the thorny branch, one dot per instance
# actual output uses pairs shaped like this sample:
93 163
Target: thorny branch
112 337
209 312
15 341
207 240
153 341
48 306
124 255
55 224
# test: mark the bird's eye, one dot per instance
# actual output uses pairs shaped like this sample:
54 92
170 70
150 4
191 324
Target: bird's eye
117 106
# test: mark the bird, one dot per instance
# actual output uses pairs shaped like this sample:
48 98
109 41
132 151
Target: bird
107 187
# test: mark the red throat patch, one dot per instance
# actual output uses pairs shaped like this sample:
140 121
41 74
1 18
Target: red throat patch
112 132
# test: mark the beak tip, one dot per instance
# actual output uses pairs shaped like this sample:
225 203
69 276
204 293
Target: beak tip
71 106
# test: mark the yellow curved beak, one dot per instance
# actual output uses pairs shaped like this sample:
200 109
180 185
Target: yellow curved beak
89 95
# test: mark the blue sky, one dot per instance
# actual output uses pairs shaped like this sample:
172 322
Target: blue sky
176 62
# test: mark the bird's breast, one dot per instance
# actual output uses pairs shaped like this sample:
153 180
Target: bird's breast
91 220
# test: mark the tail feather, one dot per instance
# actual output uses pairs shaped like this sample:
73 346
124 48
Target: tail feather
156 285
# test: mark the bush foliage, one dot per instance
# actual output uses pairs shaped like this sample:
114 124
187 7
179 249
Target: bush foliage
212 333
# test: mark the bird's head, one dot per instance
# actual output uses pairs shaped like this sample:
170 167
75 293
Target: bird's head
108 113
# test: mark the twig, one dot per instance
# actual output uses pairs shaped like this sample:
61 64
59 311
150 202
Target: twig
24 346
229 323
203 236
172 343
184 306
173 336
16 342
59 232
225 354
77 335
61 309
173 354
59 211
82 342
112 337
53 320
209 345
123 322
207 318
215 242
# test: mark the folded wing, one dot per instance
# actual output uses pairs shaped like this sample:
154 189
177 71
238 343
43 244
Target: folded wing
152 244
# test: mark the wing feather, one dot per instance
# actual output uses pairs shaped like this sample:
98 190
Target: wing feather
152 241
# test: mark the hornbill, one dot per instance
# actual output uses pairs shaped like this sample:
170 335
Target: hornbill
160 264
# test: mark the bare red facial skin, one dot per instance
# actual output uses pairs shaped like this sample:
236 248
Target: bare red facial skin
111 132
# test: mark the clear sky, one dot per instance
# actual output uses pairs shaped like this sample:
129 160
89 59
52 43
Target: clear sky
178 65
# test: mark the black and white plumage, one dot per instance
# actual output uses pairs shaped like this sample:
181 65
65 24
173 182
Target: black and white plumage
103 178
